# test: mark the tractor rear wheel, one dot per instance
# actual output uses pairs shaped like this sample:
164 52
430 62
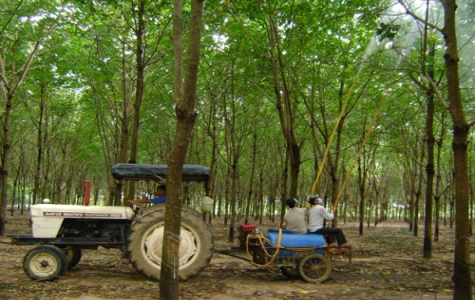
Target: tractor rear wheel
144 244
161 206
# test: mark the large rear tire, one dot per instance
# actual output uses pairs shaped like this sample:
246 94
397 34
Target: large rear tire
161 206
144 244
45 263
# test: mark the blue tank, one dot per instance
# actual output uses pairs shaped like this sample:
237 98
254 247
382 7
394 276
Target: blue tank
295 240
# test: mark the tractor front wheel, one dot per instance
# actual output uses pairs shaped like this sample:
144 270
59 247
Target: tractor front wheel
73 256
45 262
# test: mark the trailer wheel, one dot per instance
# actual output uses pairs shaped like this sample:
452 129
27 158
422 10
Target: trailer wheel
315 268
144 244
73 256
45 262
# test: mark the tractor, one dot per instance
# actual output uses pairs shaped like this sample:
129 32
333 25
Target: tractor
60 232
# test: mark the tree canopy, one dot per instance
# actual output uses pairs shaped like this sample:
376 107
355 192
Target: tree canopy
79 97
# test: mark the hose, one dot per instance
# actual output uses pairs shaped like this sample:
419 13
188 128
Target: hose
263 241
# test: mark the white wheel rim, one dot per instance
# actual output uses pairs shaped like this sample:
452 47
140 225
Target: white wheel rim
189 246
44 264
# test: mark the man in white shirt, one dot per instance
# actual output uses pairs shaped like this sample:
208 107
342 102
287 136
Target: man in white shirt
317 216
296 218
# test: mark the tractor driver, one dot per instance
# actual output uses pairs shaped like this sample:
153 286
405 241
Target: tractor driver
161 194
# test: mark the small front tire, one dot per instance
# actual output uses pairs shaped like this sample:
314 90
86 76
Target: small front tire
45 262
73 256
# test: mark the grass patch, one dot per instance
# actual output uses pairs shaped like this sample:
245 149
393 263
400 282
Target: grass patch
9 287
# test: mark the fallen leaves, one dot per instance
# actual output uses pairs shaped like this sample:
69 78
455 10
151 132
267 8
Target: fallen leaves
386 261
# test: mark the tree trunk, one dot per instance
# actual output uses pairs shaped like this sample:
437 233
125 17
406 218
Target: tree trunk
139 89
376 203
418 192
124 133
185 98
462 275
438 184
251 178
284 106
39 144
10 88
5 162
430 170
363 169
232 200
362 194
412 184
234 155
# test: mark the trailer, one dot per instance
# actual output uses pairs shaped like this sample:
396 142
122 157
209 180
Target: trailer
304 256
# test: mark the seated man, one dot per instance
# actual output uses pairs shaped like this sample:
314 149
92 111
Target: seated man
317 216
161 194
295 218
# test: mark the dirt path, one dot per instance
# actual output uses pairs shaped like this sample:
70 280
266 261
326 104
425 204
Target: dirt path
386 264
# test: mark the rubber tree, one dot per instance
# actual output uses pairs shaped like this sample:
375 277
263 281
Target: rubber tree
430 166
462 274
273 38
326 89
116 65
438 191
147 43
109 86
185 99
233 149
460 132
365 165
425 67
15 63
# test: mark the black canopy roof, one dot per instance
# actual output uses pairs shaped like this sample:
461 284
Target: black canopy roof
158 172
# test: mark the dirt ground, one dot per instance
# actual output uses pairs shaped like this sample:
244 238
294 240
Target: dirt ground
386 263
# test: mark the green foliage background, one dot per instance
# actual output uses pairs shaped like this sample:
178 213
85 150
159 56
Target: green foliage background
83 79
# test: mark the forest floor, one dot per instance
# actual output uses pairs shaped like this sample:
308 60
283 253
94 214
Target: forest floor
386 263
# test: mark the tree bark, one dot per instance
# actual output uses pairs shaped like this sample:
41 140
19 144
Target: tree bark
39 144
5 162
139 90
124 132
284 105
251 178
362 193
430 170
462 275
185 98
11 86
